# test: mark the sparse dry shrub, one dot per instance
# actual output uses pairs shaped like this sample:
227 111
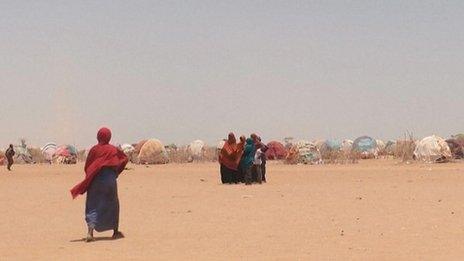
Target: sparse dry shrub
210 154
341 157
178 155
81 156
182 155
405 148
37 155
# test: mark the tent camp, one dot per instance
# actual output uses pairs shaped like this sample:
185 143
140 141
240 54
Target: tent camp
153 152
196 149
48 150
366 145
276 151
65 154
432 149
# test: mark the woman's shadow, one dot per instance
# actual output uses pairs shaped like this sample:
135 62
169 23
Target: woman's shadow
95 239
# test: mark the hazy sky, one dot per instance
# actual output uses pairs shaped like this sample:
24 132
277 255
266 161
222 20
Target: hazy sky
182 70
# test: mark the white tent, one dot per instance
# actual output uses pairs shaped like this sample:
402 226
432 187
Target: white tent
196 149
127 148
153 152
347 146
432 149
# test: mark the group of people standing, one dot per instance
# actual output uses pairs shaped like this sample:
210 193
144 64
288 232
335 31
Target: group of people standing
243 161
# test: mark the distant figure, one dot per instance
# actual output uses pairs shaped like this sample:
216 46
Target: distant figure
229 159
104 164
263 159
247 161
257 163
9 153
259 145
241 172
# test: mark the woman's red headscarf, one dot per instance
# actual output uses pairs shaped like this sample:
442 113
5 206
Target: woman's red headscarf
101 155
231 153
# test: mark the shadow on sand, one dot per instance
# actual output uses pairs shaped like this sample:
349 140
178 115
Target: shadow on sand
95 239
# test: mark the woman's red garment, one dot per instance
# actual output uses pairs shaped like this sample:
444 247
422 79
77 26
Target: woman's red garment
231 153
101 155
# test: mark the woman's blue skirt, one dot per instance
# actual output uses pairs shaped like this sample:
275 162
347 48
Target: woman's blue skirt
102 204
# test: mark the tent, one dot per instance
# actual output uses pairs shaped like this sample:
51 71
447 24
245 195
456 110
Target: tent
138 146
48 150
276 151
153 152
432 149
347 146
380 146
65 154
330 146
303 152
127 148
456 147
196 149
318 144
366 145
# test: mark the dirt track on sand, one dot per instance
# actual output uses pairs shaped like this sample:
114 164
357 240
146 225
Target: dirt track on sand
375 210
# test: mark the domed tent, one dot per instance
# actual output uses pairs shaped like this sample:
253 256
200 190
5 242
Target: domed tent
366 145
432 149
48 150
127 148
153 152
347 146
330 145
65 154
139 146
318 144
196 149
303 152
381 147
276 151
456 147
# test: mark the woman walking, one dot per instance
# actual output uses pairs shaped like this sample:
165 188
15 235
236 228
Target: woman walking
104 164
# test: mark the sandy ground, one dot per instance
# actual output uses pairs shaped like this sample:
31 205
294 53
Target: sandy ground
375 210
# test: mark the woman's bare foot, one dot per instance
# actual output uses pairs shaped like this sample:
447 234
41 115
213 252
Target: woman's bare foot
117 235
89 239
